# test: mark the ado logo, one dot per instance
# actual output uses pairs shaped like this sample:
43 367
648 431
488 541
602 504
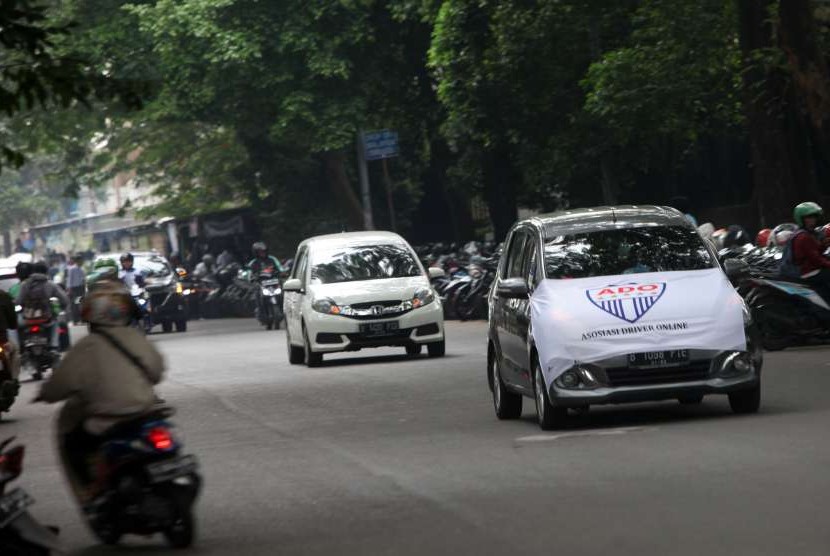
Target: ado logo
628 302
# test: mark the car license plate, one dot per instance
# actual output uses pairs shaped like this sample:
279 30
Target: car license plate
670 358
12 505
376 329
170 469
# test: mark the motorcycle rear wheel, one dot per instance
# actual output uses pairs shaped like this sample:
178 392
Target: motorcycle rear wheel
182 532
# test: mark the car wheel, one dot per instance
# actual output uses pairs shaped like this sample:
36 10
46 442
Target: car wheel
296 355
508 405
691 400
413 349
181 326
437 349
166 326
312 358
746 401
549 417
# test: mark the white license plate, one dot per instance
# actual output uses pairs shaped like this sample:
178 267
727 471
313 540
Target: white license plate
12 505
270 282
37 341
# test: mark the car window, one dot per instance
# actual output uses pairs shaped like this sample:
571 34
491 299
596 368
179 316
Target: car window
626 251
362 262
531 262
515 256
153 267
299 263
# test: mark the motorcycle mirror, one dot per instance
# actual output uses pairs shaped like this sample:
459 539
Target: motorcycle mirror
435 272
182 272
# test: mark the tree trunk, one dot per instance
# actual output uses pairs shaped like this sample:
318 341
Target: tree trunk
335 167
500 184
781 163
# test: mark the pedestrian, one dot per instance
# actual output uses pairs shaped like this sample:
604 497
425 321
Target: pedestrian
76 284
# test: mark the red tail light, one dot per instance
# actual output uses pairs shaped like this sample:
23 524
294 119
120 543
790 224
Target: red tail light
160 438
34 330
11 463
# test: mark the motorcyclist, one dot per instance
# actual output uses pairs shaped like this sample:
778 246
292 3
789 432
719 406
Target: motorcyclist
129 274
205 269
35 298
262 261
106 379
104 270
807 249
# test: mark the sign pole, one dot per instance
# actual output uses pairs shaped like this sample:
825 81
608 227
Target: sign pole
365 192
390 204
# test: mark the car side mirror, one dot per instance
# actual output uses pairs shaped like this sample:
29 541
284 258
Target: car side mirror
735 269
435 272
293 285
513 288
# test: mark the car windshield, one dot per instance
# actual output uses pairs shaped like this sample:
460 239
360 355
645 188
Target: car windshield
364 262
626 251
153 267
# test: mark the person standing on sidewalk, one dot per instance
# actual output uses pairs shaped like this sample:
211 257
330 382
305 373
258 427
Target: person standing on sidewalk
76 285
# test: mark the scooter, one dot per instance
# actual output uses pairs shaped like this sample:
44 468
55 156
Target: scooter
788 313
142 301
143 484
270 305
20 533
37 352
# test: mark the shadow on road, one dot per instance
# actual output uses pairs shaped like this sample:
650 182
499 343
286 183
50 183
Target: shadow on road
652 414
380 359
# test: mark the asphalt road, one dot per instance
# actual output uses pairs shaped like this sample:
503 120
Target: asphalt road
380 454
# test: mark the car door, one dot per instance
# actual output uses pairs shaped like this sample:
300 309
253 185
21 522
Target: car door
512 347
530 271
293 300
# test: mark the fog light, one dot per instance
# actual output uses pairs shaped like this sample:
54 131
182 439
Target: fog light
569 379
742 364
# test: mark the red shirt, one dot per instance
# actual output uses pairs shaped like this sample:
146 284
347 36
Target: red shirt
807 253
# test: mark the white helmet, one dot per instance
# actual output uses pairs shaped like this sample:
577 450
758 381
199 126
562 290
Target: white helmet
781 234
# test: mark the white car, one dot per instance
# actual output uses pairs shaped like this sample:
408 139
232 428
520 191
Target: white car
359 290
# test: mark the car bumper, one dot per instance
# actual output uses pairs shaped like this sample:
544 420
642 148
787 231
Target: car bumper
330 333
167 306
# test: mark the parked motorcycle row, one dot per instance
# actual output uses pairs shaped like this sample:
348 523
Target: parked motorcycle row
469 271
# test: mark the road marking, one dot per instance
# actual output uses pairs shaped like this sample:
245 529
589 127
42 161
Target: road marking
601 432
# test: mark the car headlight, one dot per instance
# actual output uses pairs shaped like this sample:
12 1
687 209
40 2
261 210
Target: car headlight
177 288
423 296
326 306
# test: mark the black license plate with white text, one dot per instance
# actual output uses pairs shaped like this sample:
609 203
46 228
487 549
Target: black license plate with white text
656 359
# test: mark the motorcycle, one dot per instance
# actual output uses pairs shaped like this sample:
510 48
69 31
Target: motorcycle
9 385
20 533
269 310
37 352
143 483
142 300
470 298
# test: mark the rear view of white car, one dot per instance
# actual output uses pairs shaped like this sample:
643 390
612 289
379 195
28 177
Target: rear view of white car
360 290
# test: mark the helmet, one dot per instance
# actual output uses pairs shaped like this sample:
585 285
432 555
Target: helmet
40 267
23 270
208 259
103 269
781 234
735 236
762 239
806 209
259 246
108 304
706 230
127 257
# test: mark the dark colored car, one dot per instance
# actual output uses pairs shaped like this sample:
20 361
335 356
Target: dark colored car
636 252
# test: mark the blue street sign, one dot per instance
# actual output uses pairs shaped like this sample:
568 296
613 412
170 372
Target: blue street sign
380 144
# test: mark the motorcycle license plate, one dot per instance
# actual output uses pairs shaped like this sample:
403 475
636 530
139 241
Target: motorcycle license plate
274 282
170 469
379 329
657 359
12 505
37 341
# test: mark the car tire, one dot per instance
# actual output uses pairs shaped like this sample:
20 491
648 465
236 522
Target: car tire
437 349
296 355
167 326
311 357
548 416
691 400
181 326
508 405
745 402
413 349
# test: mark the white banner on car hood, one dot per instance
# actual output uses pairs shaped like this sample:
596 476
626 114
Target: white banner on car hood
591 319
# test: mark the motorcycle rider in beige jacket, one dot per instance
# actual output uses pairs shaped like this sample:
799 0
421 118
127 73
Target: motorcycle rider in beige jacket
106 378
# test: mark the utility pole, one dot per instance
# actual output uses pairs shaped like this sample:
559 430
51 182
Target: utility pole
365 192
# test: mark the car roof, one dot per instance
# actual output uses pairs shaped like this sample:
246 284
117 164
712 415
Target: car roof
117 256
354 238
606 217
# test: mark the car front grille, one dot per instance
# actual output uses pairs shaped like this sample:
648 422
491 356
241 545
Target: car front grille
378 310
625 376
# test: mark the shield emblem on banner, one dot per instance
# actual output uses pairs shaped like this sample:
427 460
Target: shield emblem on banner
628 302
